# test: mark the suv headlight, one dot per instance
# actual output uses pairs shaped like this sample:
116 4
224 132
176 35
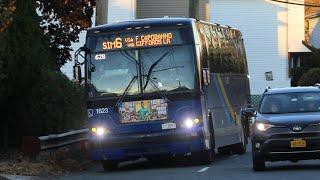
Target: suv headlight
263 126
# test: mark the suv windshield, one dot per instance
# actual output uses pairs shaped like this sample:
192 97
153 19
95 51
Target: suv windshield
290 103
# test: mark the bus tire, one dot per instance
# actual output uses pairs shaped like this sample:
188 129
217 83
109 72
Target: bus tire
205 156
202 157
109 165
226 150
211 151
160 159
240 148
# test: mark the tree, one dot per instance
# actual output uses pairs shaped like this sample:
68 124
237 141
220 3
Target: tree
36 98
7 8
311 60
308 61
194 9
310 78
61 22
24 57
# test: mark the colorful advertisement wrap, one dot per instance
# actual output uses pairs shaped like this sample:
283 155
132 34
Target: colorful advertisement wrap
146 110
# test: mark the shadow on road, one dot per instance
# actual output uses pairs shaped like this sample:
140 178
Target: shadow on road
174 162
293 167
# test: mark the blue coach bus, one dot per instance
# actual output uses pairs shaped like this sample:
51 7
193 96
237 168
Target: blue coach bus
164 86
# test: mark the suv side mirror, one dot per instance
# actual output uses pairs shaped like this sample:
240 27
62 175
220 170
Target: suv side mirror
206 76
248 111
77 74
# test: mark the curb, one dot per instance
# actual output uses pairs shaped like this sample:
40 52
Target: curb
2 177
16 177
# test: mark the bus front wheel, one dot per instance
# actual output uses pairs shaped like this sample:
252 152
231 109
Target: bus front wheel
202 157
109 165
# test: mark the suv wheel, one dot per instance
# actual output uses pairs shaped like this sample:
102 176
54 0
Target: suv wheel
258 163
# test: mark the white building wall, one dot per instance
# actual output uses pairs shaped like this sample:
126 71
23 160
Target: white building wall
121 10
264 25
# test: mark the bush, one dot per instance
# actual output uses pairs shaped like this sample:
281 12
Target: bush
310 78
56 105
297 74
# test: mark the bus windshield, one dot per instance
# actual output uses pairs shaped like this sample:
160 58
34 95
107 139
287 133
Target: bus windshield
162 67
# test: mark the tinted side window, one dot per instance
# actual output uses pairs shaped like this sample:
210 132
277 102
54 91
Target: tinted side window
222 49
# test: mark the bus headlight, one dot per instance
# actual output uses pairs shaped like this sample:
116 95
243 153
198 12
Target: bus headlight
99 131
190 123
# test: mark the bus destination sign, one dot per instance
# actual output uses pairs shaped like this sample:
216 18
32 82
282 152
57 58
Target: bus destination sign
138 41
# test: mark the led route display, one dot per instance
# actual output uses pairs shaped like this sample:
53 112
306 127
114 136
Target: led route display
146 40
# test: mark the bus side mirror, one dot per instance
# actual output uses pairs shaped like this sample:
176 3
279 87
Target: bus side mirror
206 76
92 68
77 74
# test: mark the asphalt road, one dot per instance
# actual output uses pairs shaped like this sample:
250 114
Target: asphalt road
234 167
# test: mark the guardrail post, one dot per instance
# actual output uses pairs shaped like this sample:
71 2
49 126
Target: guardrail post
31 145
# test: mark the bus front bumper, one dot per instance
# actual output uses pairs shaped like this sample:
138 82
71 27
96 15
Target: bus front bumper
127 147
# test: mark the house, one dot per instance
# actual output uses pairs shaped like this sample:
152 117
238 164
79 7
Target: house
312 23
273 32
110 11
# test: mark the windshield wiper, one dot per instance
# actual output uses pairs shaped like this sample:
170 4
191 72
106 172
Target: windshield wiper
165 69
148 76
152 67
159 91
128 56
133 80
273 112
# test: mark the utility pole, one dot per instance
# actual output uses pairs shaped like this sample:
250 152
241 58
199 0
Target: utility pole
101 12
194 9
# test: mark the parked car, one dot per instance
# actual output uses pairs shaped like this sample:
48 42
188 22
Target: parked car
286 126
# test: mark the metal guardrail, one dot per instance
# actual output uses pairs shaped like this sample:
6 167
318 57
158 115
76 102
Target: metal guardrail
33 145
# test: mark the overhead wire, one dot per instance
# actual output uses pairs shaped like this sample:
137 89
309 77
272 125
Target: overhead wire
300 3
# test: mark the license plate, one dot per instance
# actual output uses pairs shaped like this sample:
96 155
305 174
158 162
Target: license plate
169 126
298 143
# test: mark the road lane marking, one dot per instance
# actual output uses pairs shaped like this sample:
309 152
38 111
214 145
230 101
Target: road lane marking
203 169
